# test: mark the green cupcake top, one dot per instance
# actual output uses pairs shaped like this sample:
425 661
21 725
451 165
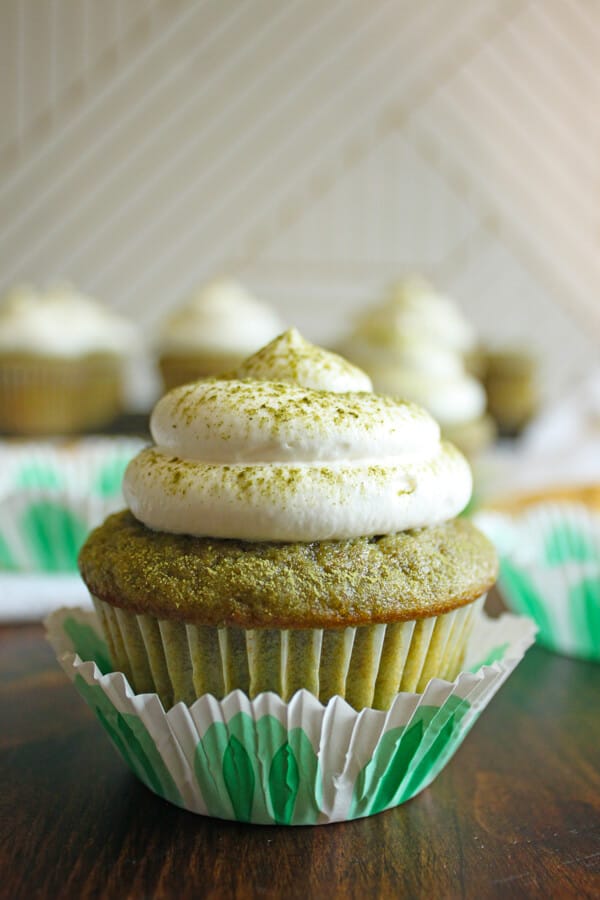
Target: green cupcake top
390 578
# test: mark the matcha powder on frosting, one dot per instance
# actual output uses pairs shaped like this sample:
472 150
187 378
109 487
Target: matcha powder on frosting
293 446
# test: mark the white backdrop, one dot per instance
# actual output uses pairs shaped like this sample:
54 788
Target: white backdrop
316 150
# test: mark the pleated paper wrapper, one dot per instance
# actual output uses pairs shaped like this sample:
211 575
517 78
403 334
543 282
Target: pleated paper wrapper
550 570
269 762
367 665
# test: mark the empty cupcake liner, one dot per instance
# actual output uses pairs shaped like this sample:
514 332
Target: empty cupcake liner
301 762
52 495
367 665
550 570
44 531
83 466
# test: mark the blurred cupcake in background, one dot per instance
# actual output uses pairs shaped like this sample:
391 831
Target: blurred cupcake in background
61 360
510 384
218 327
416 345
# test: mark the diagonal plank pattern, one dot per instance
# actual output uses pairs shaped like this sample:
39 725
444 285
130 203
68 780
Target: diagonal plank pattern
315 148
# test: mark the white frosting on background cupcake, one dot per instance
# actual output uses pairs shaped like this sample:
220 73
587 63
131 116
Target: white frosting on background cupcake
221 317
60 321
414 307
413 345
277 459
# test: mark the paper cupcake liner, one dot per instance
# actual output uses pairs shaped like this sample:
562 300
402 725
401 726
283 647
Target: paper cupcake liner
366 665
550 570
266 761
52 495
44 531
82 466
48 395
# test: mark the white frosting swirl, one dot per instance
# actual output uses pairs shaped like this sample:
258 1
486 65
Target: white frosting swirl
275 460
414 307
293 360
60 321
413 346
221 317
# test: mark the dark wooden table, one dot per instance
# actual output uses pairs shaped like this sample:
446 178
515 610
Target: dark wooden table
516 813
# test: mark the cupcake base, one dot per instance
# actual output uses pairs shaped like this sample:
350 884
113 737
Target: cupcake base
177 369
512 395
266 761
46 395
367 665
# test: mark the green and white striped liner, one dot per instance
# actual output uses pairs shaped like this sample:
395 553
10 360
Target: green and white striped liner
51 496
550 570
43 531
92 465
298 763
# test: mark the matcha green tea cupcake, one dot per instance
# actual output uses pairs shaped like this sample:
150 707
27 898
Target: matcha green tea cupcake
290 529
218 326
61 361
417 344
511 388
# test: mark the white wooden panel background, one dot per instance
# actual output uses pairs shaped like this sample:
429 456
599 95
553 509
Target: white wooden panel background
316 150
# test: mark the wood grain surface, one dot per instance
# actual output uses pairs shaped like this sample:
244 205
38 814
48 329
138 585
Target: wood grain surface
516 813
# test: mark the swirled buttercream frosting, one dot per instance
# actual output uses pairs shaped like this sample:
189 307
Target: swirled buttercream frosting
220 317
414 307
60 321
412 345
293 447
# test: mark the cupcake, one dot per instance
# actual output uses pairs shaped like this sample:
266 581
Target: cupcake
416 345
512 395
289 530
218 327
61 357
